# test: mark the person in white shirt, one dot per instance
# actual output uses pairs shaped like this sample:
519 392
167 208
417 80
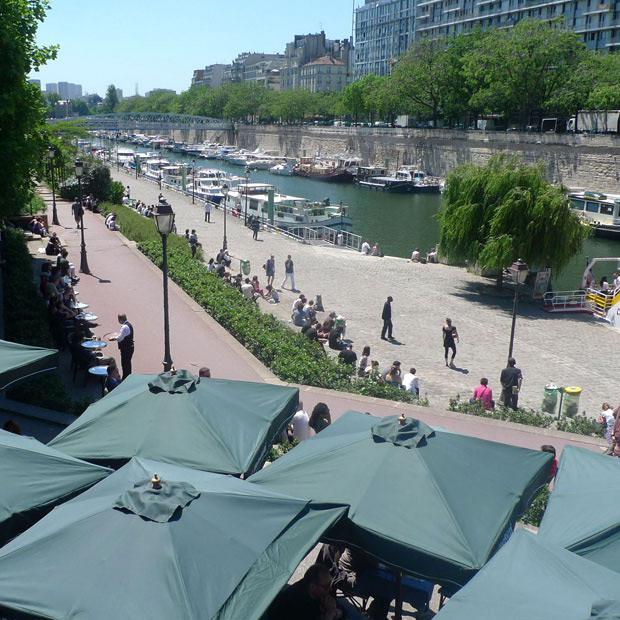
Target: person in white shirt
247 289
415 255
411 383
208 209
365 248
299 424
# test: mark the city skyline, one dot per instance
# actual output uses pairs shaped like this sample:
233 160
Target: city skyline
115 53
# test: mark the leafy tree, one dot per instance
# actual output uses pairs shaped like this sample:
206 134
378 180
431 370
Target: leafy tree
519 71
22 109
80 108
351 102
110 101
604 97
494 214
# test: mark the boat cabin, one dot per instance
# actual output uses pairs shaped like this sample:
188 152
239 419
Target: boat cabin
597 207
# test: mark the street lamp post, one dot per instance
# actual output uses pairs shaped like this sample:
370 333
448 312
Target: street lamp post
79 171
519 271
117 139
136 161
51 154
159 179
193 180
164 220
247 177
225 203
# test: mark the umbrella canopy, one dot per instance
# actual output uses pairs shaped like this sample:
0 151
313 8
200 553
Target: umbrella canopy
34 478
433 503
180 544
20 361
531 578
583 514
211 424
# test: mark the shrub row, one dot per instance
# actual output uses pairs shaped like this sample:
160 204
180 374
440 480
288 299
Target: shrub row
26 322
579 424
289 354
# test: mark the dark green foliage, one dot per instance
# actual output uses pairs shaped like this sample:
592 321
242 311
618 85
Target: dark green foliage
26 322
115 195
494 214
22 110
581 425
536 511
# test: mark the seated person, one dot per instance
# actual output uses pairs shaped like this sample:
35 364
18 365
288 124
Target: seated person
211 266
307 599
110 222
312 333
220 270
335 339
257 289
415 255
309 310
53 245
272 296
44 277
298 317
113 378
431 257
247 290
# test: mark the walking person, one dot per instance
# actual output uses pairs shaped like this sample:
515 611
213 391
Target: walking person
255 228
125 340
386 315
289 273
450 338
511 380
270 269
208 209
78 212
193 242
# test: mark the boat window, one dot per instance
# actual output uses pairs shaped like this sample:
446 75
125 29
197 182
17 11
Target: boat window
607 209
592 207
577 204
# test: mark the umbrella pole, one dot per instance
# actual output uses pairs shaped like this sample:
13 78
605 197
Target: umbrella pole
398 603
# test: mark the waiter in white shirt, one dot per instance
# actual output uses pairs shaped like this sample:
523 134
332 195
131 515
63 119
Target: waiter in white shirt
125 344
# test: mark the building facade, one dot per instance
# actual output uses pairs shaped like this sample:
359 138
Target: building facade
51 87
384 30
258 68
308 48
211 75
326 74
67 90
597 21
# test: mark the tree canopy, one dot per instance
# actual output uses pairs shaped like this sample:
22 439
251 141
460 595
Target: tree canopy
110 101
22 109
494 214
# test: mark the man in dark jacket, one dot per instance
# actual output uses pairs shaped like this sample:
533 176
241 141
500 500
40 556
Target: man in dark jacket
511 379
386 315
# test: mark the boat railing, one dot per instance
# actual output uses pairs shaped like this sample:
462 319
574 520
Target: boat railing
566 301
601 302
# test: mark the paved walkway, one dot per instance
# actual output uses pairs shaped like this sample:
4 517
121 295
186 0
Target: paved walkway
124 280
565 349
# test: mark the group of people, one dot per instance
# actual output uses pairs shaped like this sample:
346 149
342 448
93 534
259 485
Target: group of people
431 256
610 419
37 227
367 250
143 209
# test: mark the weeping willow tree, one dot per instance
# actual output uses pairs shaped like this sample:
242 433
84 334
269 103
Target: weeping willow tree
494 214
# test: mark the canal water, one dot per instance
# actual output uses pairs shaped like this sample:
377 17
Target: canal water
397 222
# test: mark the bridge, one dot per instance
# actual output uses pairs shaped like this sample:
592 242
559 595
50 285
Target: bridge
153 121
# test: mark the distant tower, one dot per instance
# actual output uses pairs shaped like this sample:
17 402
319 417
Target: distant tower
136 93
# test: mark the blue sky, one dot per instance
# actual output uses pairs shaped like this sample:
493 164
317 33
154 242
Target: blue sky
158 43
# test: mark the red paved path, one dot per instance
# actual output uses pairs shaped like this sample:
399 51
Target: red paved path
123 280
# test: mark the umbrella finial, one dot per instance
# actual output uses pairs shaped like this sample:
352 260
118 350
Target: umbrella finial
402 420
156 481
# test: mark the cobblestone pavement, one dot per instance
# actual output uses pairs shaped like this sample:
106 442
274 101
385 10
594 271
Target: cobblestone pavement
565 349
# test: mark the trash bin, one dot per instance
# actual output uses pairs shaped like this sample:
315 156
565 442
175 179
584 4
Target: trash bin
550 398
570 405
245 267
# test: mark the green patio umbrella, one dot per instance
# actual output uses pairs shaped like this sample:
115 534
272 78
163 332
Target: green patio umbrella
20 361
434 504
583 514
34 478
210 424
159 541
531 579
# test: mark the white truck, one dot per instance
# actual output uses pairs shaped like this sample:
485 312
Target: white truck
595 121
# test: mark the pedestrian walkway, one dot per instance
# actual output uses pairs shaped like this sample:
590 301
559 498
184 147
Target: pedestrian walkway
123 280
566 350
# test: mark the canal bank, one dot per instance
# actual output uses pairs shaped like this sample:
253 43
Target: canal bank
548 347
398 222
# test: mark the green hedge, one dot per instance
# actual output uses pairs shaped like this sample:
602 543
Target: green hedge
536 511
289 354
581 425
26 322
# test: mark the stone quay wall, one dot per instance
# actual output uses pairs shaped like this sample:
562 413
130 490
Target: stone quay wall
576 160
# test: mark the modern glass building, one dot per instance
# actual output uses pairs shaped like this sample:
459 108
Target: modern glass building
384 29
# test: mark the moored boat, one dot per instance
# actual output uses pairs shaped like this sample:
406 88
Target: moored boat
601 211
405 180
322 170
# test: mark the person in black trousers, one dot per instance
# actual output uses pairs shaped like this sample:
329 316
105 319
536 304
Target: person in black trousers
386 315
125 344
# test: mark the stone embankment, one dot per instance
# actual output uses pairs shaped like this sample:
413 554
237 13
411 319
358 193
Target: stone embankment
576 160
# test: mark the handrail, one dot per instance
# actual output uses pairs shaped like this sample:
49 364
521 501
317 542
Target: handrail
566 300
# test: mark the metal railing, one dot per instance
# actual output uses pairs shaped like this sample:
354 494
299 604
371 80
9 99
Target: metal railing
566 301
600 303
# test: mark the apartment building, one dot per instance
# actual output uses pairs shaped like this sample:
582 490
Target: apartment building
211 75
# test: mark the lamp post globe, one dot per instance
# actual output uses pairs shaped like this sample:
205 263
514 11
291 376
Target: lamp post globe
164 222
79 173
51 155
225 203
193 181
519 271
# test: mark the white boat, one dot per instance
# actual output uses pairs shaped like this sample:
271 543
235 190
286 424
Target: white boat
283 169
151 168
238 158
123 155
208 183
175 176
601 211
288 211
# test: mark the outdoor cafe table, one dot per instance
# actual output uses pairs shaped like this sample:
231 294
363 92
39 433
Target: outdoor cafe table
89 317
94 344
79 305
102 373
